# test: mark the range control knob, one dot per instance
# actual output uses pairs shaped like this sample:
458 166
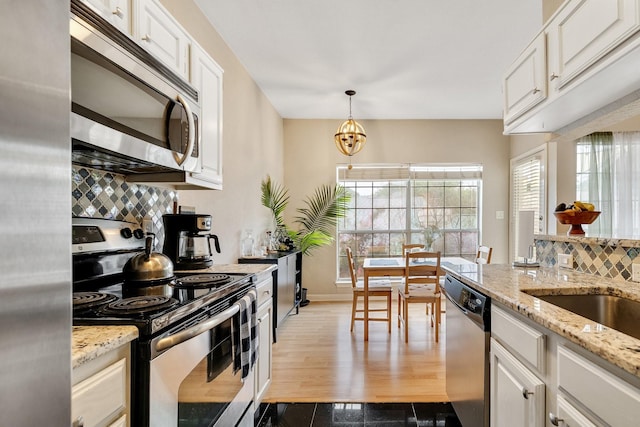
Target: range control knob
138 233
126 233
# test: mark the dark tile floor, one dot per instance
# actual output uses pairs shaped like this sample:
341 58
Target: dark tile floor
358 414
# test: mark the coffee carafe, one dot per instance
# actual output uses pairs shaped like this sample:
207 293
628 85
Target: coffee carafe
187 242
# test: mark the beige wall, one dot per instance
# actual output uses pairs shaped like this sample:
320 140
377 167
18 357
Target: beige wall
252 138
311 159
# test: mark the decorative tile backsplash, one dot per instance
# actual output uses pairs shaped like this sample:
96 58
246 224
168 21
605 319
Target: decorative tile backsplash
593 256
100 194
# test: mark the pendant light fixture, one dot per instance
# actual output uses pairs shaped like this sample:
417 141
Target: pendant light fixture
350 136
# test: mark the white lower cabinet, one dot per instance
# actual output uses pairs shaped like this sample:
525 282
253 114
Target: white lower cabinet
100 392
532 367
568 416
264 289
517 395
599 394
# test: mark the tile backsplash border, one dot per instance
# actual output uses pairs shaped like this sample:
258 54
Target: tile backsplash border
101 194
611 258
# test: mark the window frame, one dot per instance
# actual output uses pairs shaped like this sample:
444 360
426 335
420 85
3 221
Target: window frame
407 180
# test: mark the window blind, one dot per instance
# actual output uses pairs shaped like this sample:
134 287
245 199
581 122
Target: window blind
527 192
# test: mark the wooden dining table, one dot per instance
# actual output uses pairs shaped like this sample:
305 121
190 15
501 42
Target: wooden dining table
394 267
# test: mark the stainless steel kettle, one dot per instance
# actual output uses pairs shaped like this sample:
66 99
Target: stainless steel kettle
148 268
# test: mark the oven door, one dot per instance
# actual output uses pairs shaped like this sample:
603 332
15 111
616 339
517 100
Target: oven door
195 381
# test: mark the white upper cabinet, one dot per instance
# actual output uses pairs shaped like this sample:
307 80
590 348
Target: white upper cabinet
591 55
585 31
157 32
116 12
206 77
525 83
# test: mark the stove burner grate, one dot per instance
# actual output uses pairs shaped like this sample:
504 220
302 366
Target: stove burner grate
140 305
89 300
202 281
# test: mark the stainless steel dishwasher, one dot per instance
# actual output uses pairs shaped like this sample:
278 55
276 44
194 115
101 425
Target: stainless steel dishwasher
467 344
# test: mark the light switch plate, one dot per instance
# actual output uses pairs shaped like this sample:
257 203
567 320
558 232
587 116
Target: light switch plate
635 272
565 261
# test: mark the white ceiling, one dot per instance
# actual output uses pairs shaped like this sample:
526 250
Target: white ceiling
406 59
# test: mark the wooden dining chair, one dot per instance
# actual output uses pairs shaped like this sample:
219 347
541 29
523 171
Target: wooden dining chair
377 288
421 284
411 247
484 255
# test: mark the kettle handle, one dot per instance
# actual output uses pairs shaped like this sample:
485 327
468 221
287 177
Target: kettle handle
217 243
148 245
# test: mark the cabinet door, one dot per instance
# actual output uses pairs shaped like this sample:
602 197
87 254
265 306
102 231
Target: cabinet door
101 397
569 416
116 12
263 369
206 77
585 31
517 396
524 84
158 33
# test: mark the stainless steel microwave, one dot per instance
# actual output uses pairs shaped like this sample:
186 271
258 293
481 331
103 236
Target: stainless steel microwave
129 113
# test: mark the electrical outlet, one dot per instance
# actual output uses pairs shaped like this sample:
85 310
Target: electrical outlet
635 272
565 261
147 225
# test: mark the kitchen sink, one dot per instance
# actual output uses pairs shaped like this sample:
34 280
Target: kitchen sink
617 313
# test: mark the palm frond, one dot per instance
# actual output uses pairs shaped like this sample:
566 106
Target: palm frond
320 216
275 197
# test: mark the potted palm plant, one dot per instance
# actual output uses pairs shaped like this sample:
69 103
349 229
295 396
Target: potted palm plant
316 221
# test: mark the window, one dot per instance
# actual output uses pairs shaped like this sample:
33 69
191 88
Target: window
608 171
527 199
438 206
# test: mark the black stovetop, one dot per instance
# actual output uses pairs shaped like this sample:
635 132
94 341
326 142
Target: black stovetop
175 301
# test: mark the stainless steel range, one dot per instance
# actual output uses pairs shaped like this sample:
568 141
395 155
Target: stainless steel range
187 368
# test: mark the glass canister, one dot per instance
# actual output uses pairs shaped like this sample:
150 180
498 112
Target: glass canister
247 244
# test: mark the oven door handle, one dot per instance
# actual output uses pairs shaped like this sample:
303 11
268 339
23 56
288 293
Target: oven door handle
182 336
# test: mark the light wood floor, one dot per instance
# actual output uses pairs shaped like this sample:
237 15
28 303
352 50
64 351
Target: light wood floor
317 359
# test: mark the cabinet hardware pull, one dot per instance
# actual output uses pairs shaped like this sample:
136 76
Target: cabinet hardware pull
526 393
78 422
535 90
118 12
553 76
554 419
146 38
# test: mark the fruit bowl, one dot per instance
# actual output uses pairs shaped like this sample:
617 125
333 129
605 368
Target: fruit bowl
576 219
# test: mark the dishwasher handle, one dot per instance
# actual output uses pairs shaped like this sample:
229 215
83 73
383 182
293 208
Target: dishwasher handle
464 311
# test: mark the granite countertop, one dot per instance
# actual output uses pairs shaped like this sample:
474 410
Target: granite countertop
506 285
90 342
235 268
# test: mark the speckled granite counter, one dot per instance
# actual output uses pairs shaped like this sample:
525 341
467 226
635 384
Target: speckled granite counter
506 284
236 268
91 342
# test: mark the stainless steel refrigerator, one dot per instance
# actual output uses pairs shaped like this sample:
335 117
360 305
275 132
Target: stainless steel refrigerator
35 214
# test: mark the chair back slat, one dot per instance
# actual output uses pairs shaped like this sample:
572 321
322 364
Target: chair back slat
422 267
352 268
411 247
483 255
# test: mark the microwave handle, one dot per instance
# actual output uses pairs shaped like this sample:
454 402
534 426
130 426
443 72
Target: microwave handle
195 330
192 132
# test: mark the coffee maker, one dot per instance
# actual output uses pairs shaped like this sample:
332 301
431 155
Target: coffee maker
186 240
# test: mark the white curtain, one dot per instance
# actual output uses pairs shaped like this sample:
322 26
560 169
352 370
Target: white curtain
608 175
